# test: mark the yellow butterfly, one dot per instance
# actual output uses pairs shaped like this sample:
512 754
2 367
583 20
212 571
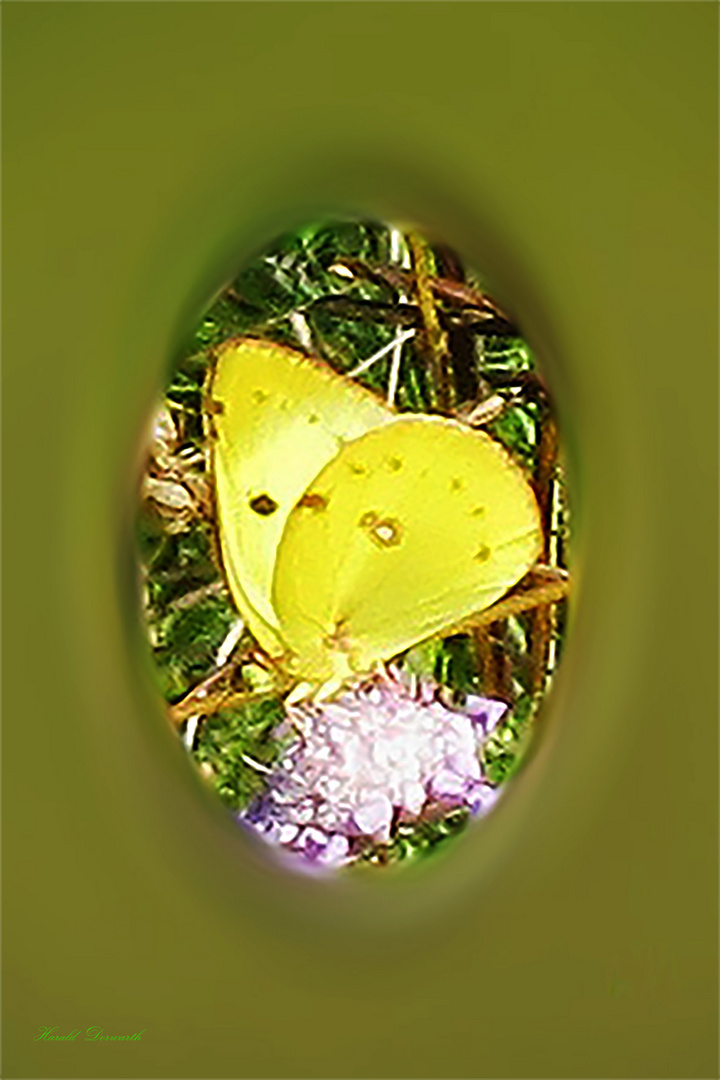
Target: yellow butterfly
350 532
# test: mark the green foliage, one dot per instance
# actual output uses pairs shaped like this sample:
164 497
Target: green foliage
231 741
449 661
176 563
517 429
348 321
418 838
507 355
504 750
457 665
423 659
185 391
187 641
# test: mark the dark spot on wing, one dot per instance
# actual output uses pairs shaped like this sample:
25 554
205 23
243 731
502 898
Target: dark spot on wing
356 468
313 418
313 500
483 554
457 484
263 505
478 511
394 464
216 408
260 396
385 532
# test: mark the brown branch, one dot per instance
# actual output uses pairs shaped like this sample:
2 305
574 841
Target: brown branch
445 288
546 592
493 660
216 588
215 692
433 340
219 689
210 692
544 475
542 621
406 315
208 706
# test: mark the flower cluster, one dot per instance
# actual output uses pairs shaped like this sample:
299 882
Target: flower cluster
384 753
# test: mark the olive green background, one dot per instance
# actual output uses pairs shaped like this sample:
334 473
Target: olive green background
570 151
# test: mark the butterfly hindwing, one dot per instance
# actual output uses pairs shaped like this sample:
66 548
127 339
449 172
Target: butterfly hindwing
411 527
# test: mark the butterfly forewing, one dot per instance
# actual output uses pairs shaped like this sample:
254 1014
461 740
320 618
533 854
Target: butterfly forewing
277 418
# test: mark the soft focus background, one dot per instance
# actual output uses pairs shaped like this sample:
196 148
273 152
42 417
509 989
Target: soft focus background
569 150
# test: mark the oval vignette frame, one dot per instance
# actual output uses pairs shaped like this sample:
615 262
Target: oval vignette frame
407 894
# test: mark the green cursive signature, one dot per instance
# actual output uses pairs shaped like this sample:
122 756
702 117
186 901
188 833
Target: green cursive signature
92 1034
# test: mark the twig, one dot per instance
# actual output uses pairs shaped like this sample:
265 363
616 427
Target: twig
257 765
404 335
394 376
213 693
216 588
435 338
445 288
352 308
484 412
230 641
542 623
196 701
547 592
